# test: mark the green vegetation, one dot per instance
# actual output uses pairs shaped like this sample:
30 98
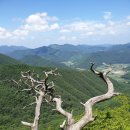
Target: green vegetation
114 55
115 118
127 75
7 60
111 56
39 61
74 87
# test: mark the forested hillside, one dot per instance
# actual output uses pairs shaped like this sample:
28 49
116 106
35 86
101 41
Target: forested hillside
36 60
7 60
74 87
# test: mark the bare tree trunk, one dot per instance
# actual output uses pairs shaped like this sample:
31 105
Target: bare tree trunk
41 89
88 115
37 111
34 125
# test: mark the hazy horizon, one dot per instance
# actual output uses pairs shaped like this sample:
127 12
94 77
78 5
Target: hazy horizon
63 44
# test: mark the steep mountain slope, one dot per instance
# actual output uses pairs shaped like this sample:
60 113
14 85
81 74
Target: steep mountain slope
39 61
73 86
7 60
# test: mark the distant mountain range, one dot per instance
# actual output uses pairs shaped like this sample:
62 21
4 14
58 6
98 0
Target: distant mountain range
115 54
70 55
9 49
58 53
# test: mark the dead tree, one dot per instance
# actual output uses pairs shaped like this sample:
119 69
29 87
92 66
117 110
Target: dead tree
70 123
42 90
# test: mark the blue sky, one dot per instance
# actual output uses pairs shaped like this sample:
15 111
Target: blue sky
35 23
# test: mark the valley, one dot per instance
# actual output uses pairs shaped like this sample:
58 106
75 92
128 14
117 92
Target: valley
118 72
76 84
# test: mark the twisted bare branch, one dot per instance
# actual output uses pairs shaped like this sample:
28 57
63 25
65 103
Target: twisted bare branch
41 89
69 116
88 115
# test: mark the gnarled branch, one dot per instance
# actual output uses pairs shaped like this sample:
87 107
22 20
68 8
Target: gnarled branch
41 89
69 116
88 115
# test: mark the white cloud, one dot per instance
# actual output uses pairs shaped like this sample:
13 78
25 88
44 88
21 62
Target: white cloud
89 33
40 28
54 26
107 15
97 32
128 17
63 30
128 23
38 18
20 32
67 39
62 38
89 28
40 22
4 33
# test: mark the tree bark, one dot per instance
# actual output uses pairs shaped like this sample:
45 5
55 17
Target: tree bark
41 89
37 111
88 116
34 125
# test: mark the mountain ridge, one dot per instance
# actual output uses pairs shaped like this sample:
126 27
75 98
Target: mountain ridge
4 49
77 56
